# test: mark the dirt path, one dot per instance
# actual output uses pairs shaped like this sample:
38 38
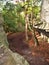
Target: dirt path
35 55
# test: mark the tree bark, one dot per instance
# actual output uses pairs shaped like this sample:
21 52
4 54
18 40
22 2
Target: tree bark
26 27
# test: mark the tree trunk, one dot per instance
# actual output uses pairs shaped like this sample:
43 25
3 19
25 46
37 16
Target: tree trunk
26 27
7 57
33 32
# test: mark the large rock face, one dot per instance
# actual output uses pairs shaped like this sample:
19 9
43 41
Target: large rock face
44 15
45 11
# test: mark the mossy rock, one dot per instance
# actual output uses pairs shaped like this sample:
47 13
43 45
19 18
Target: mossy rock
7 57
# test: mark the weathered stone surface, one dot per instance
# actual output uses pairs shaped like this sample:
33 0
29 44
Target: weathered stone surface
7 57
45 11
44 16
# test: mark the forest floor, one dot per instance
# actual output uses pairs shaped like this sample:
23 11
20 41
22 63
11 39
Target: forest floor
35 55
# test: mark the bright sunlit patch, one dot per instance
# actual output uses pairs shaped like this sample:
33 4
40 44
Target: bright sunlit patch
23 14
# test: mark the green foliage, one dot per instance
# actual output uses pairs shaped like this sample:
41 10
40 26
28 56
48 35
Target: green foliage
19 8
14 14
12 17
9 17
36 10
